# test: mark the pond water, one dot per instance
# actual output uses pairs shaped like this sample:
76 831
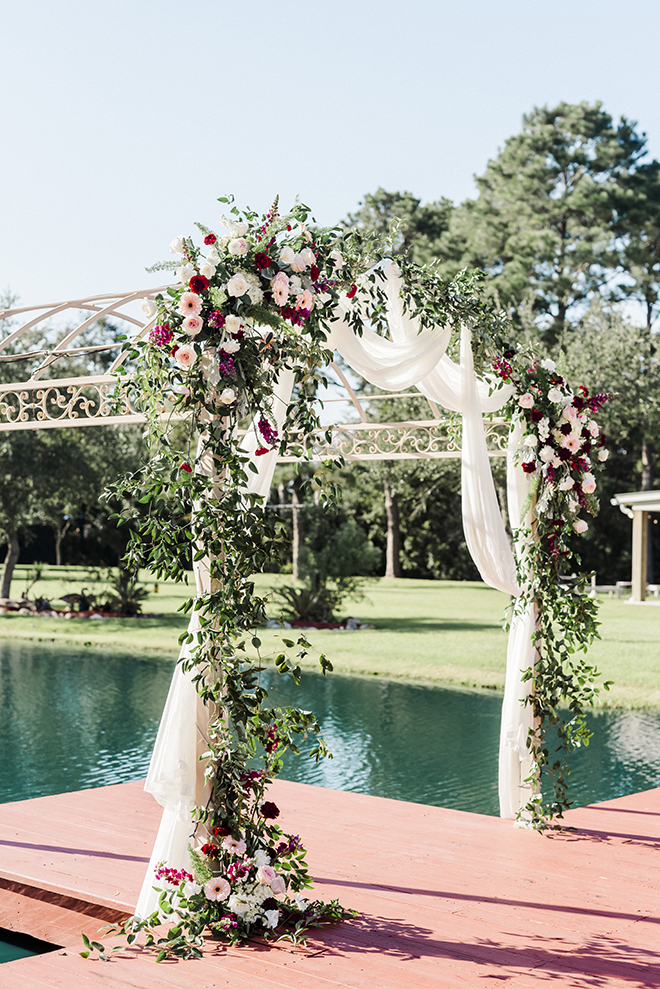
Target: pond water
71 719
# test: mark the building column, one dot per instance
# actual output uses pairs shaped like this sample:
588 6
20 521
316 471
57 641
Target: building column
639 555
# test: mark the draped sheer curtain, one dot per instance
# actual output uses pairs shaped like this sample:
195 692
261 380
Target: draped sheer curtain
406 358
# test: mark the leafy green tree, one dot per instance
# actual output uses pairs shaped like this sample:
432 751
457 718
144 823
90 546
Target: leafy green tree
415 228
543 224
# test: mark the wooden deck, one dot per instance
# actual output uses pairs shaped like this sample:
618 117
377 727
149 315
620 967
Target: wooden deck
446 898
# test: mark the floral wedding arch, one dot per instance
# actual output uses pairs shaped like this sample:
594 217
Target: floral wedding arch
241 338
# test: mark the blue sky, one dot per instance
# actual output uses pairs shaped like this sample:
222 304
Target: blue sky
124 121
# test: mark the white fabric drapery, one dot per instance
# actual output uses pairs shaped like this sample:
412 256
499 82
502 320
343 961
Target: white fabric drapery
405 359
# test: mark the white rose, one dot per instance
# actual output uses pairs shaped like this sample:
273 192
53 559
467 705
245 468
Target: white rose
185 356
238 904
530 440
178 245
566 484
272 917
526 401
287 254
297 263
554 395
228 396
185 273
307 256
231 347
548 365
603 455
238 247
207 269
148 307
338 258
233 324
191 889
547 454
580 526
237 285
240 229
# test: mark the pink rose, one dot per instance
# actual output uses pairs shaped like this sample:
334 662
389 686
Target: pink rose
588 483
192 325
307 256
266 875
278 885
569 413
185 356
580 526
526 401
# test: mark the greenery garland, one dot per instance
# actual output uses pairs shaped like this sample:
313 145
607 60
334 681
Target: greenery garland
562 450
257 302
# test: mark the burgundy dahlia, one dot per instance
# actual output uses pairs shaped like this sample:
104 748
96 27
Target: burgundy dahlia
351 292
198 283
269 810
210 850
314 272
262 260
529 467
210 239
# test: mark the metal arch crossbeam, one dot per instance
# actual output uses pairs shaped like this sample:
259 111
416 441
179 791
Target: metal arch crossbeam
38 401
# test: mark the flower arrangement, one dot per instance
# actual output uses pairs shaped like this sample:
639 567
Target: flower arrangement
563 449
252 301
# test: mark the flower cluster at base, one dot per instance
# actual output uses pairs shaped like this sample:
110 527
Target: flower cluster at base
562 450
232 890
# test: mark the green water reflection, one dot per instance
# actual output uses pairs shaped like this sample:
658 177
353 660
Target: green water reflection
71 719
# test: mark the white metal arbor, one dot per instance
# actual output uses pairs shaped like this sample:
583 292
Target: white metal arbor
36 398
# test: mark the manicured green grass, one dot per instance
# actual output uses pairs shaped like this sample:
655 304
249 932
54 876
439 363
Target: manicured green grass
441 632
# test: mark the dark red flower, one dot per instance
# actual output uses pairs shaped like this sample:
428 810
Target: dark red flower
529 467
564 454
351 292
536 415
270 903
584 390
174 349
565 428
210 239
212 851
262 260
259 452
602 440
314 272
508 354
216 320
269 810
198 283
220 830
186 467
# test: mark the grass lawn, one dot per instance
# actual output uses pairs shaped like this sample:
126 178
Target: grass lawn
441 632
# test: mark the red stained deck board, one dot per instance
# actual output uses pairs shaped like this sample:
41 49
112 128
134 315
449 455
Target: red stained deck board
446 898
